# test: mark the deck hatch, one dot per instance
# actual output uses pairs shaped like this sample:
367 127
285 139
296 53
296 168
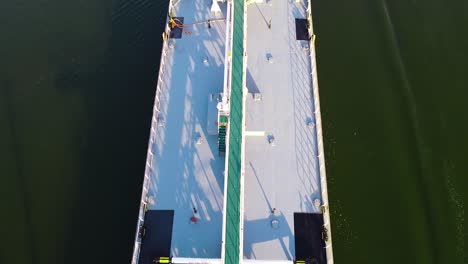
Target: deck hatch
302 32
310 247
157 239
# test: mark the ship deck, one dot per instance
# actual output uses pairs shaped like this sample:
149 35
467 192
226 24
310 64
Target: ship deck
279 153
283 176
187 175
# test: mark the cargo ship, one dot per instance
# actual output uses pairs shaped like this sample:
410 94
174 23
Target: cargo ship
235 169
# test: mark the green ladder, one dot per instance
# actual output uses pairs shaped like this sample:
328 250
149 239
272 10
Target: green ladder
222 140
222 130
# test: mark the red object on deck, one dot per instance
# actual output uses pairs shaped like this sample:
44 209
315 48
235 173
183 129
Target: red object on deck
193 219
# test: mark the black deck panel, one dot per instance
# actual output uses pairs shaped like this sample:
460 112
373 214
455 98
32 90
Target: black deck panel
158 235
309 244
176 32
302 33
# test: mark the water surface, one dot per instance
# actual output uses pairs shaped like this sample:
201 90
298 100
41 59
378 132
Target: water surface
77 85
392 94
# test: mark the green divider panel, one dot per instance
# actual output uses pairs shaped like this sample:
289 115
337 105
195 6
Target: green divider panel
232 239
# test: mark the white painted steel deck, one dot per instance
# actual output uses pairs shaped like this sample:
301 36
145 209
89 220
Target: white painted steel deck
285 176
186 174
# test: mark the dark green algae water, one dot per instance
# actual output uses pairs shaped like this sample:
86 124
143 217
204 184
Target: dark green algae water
77 87
393 85
76 92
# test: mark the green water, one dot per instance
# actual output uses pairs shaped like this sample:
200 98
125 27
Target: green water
77 86
393 85
76 92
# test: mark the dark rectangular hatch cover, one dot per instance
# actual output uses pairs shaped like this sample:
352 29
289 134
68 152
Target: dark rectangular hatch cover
302 32
176 31
309 244
157 238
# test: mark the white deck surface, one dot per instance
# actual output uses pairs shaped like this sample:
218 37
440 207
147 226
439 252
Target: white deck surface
185 174
284 176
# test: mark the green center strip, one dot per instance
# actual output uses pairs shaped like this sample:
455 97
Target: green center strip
232 239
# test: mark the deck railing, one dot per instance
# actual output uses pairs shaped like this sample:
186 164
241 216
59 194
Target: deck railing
227 90
319 134
228 50
155 121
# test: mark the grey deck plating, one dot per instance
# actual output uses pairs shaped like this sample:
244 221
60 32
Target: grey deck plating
186 174
284 176
281 173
